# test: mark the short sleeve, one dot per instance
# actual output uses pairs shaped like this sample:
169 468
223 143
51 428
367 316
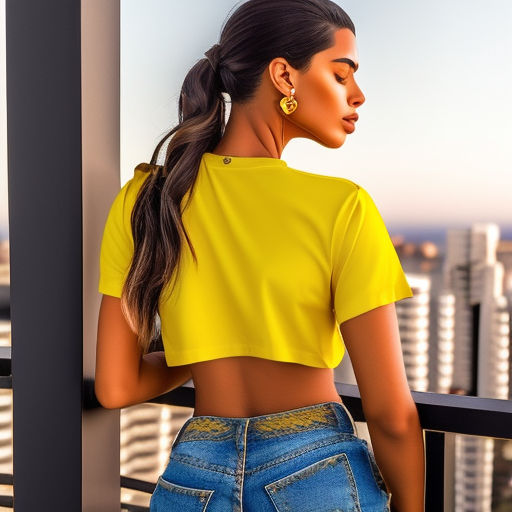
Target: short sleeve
117 242
366 270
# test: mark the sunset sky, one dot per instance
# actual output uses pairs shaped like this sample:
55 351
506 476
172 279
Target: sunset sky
433 141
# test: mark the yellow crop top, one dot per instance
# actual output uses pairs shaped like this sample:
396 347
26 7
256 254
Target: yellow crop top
284 257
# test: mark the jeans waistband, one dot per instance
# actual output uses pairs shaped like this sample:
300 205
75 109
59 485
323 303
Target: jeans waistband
311 417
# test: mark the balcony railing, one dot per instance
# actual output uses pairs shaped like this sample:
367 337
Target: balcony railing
441 416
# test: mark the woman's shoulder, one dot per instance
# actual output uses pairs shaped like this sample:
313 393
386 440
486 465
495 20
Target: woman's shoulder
316 176
126 196
326 179
145 169
141 172
338 189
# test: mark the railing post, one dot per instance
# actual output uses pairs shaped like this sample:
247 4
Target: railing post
434 471
45 234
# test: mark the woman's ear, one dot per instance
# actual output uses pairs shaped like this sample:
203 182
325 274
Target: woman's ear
282 75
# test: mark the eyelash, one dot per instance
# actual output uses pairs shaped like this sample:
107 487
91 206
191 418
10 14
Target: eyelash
341 80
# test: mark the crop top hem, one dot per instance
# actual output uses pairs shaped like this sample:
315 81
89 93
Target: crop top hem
217 352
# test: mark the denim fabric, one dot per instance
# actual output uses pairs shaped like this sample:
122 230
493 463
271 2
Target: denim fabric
308 459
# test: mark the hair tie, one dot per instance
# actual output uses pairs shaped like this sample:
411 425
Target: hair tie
213 56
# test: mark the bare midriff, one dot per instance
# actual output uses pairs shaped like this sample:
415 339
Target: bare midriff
244 386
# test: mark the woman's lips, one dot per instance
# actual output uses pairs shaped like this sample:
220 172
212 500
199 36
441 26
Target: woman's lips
348 125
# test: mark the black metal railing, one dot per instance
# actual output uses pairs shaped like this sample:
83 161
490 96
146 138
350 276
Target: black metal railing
439 414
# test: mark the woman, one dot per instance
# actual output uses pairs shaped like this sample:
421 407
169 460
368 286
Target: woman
255 269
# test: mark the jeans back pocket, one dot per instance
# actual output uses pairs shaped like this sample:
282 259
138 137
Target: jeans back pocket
170 496
324 486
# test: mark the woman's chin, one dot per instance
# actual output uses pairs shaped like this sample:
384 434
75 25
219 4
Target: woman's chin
339 141
331 139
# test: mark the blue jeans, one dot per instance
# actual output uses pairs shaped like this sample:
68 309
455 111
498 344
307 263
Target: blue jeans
308 459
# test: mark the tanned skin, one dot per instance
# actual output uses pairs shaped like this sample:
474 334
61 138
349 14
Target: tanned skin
248 386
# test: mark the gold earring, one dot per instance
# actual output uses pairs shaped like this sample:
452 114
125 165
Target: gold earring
289 103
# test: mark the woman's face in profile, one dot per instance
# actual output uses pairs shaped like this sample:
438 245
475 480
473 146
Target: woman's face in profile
328 92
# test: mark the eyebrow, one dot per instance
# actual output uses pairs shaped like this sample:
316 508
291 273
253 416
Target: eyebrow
348 61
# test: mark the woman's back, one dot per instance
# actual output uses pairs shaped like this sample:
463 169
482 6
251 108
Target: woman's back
283 257
251 386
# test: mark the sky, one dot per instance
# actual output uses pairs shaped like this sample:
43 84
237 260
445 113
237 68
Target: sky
432 144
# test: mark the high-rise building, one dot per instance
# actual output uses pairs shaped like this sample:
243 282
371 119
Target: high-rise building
456 271
445 342
413 322
481 350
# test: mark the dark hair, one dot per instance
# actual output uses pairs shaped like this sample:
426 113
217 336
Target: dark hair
257 32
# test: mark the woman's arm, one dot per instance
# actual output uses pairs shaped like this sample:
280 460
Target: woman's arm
123 377
373 343
156 378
